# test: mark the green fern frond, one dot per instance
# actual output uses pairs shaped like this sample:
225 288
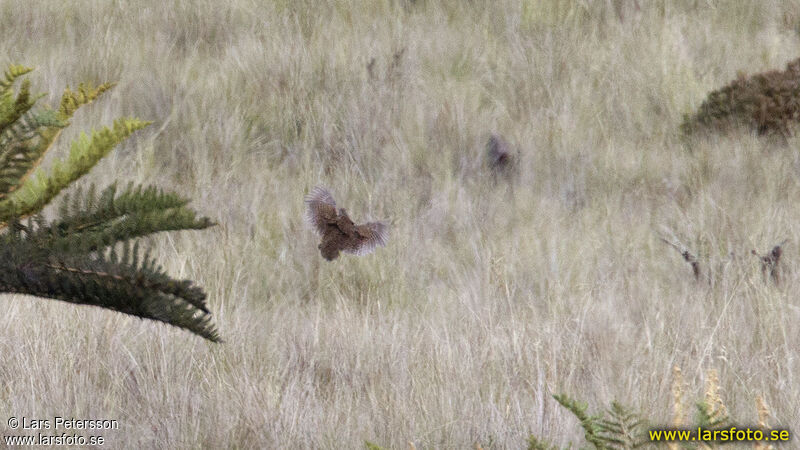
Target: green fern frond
708 417
590 424
25 101
25 135
39 190
88 222
46 128
23 146
30 125
536 444
623 429
13 72
175 302
48 132
72 100
125 283
11 109
85 256
370 446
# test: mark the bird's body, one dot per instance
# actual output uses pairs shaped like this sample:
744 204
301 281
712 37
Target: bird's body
499 153
503 161
339 233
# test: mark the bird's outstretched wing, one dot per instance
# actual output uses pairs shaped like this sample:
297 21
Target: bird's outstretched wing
320 209
367 238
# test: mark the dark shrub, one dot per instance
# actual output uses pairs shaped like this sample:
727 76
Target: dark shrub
767 102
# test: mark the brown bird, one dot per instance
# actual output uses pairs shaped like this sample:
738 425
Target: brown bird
769 261
338 232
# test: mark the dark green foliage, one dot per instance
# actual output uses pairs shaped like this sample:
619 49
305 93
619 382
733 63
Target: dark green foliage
536 444
123 282
766 102
709 418
591 429
88 254
621 429
89 222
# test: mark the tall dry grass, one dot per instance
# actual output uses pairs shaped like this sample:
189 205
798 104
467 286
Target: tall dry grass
486 300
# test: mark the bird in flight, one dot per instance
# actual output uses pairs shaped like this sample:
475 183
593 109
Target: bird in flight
338 232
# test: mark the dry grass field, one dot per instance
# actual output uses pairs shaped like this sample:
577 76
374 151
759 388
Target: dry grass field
488 298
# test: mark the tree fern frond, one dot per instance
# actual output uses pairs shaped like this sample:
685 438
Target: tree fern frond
13 72
89 223
23 146
49 132
708 417
591 428
86 151
623 429
72 100
144 274
29 126
25 101
620 428
78 257
103 234
47 127
12 109
537 444
148 295
90 208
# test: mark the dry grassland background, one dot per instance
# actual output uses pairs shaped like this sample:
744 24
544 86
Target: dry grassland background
487 299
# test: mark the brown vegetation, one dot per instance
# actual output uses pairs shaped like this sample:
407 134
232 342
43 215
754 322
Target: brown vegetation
687 255
766 102
770 261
